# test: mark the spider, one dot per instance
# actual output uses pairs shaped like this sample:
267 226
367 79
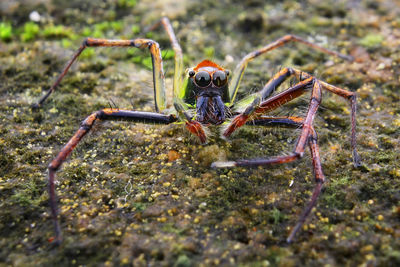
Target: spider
210 91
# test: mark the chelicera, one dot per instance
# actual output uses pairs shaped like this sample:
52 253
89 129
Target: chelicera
210 91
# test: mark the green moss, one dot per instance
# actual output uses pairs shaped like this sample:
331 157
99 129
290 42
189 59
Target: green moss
30 31
57 31
371 40
6 31
6 160
126 3
300 26
183 261
135 29
276 216
102 26
209 52
66 43
168 54
29 195
147 62
88 53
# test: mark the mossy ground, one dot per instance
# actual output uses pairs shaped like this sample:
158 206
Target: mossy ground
144 194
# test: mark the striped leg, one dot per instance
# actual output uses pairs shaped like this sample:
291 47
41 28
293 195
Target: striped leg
304 139
352 98
193 126
241 67
295 122
258 107
286 96
319 179
178 57
105 114
158 73
309 136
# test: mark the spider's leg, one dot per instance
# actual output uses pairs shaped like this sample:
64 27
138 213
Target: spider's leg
294 122
307 128
158 73
307 132
352 98
105 114
241 67
319 179
268 89
282 98
288 122
256 108
178 56
193 126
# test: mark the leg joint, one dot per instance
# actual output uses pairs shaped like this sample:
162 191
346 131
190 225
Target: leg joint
288 37
298 155
53 167
87 124
290 70
144 43
85 42
352 97
313 136
99 114
85 127
317 99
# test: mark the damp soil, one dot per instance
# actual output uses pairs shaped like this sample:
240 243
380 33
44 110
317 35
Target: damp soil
144 194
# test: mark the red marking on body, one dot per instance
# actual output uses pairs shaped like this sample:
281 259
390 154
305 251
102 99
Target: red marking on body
237 122
208 63
195 128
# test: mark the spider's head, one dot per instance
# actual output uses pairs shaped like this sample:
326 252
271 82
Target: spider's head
209 85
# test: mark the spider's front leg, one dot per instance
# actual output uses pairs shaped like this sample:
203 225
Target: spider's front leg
86 126
258 106
261 107
191 125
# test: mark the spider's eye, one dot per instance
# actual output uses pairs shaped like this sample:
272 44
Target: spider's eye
191 73
219 78
202 78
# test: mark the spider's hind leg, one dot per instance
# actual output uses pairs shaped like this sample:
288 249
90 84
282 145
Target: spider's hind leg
319 180
351 97
308 136
307 132
241 67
